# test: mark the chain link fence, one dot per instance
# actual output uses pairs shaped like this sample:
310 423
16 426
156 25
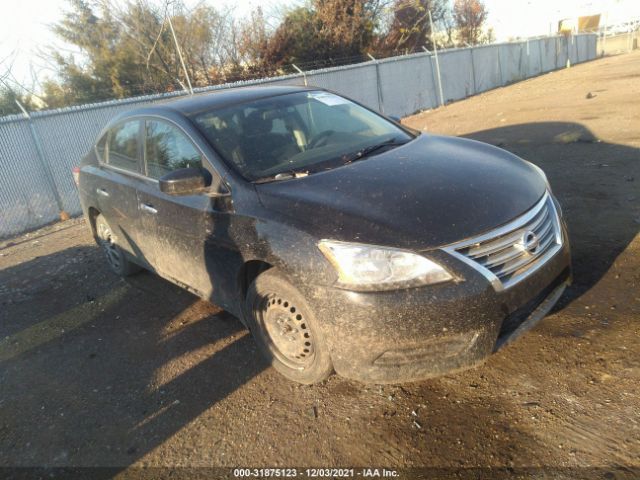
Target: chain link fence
38 152
619 43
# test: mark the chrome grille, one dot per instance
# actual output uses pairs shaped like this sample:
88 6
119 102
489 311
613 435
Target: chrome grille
509 254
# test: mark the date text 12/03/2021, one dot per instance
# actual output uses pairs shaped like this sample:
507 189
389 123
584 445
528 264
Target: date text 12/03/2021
315 473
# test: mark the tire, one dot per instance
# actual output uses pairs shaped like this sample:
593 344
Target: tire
286 330
116 258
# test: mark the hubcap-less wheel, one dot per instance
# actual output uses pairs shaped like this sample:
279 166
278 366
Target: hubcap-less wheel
286 329
109 247
291 337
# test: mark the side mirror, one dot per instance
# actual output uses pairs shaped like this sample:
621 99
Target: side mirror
185 181
395 118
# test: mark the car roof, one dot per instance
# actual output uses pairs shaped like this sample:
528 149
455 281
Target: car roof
212 100
202 102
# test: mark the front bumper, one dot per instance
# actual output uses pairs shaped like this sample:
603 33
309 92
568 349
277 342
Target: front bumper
412 334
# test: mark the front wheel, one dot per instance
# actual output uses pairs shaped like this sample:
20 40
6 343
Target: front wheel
116 258
286 329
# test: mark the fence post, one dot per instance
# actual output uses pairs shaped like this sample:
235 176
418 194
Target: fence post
433 77
43 161
604 36
526 48
500 66
473 70
378 84
540 42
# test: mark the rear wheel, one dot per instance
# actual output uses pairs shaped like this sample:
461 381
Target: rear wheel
286 330
116 258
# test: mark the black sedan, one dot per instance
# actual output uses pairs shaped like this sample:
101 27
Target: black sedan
342 239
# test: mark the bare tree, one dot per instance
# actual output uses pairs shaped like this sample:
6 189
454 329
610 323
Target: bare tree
250 38
410 28
12 95
469 17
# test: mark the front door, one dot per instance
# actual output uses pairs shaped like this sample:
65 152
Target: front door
188 233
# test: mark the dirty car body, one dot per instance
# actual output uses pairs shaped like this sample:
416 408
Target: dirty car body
341 238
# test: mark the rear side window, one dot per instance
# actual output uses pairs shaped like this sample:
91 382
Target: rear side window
168 149
124 145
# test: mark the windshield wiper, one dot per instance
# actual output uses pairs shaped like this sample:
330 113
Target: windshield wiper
281 176
372 148
362 153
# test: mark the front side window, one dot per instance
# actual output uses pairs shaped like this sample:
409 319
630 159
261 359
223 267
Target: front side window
124 146
302 131
168 149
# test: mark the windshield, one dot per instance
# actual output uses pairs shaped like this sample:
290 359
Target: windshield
297 132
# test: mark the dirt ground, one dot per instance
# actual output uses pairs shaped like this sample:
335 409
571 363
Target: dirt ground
99 371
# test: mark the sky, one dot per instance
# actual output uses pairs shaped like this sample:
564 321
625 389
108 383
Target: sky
24 25
528 18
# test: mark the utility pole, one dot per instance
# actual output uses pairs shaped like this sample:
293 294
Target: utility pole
43 162
378 85
435 53
186 74
304 75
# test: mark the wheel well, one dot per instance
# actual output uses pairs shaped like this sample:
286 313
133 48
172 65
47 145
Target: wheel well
93 214
250 271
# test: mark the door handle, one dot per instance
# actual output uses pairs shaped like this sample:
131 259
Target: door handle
102 191
148 208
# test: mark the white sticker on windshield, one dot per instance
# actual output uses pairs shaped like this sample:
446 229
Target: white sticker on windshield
328 98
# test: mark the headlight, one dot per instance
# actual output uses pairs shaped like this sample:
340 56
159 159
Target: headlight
364 267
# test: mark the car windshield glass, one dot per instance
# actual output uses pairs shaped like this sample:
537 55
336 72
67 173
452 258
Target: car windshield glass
298 132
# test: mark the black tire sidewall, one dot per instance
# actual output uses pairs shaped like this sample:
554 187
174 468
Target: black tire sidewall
273 282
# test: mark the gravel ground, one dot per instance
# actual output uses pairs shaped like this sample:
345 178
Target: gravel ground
99 371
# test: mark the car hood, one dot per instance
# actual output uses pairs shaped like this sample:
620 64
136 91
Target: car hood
430 192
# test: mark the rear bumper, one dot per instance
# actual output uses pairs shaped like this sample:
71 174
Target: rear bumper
406 335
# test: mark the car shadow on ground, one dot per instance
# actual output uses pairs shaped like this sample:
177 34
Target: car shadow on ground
597 184
99 373
102 370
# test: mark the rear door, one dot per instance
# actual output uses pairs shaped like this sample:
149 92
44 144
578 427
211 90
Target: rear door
116 182
186 228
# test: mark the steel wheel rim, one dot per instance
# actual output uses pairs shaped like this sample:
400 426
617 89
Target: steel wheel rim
108 246
288 332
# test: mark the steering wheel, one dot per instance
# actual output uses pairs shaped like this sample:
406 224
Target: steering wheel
320 139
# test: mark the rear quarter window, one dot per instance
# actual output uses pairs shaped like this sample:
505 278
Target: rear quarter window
101 148
124 146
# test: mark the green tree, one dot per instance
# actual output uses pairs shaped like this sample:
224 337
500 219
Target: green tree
296 40
127 49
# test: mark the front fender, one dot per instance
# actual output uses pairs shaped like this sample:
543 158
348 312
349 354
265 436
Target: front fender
292 250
